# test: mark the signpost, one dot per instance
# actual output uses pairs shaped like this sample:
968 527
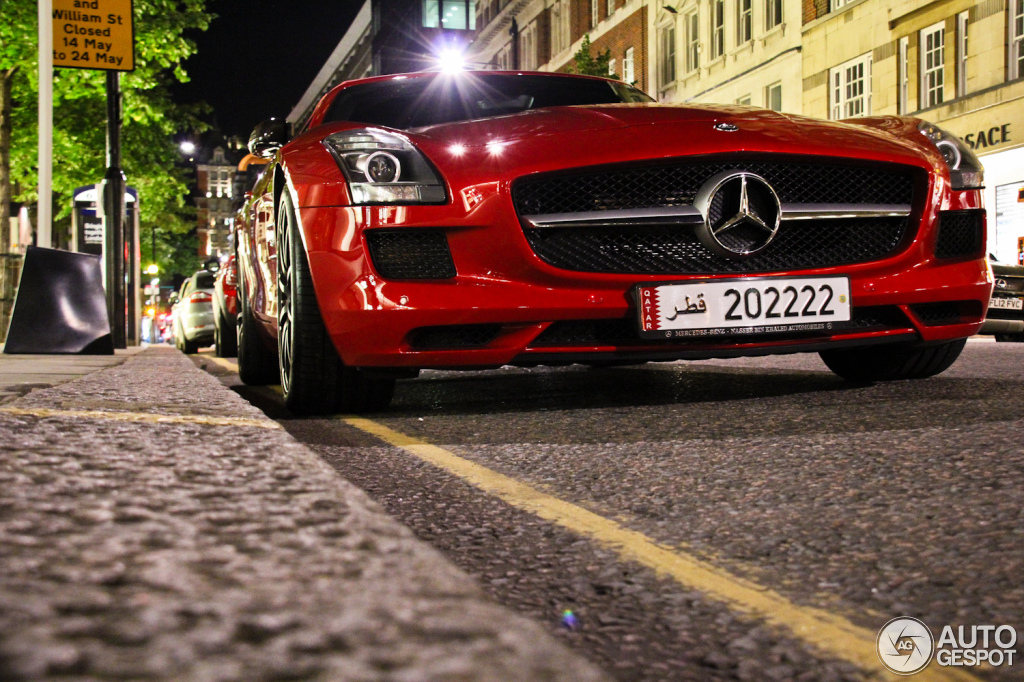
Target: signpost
100 34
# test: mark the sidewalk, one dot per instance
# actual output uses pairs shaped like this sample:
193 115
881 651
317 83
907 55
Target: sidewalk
154 525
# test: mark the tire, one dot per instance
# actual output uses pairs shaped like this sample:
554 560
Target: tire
313 378
891 363
1010 338
188 347
225 337
257 364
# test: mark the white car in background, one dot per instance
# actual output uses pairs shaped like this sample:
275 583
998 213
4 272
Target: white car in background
193 313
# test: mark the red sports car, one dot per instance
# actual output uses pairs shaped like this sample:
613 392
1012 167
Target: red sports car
481 219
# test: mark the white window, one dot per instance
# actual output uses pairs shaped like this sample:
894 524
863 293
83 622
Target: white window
611 7
611 68
627 67
1016 39
772 14
836 4
850 88
744 21
594 4
903 76
528 47
933 67
773 97
453 14
692 41
717 28
560 26
667 55
961 54
744 101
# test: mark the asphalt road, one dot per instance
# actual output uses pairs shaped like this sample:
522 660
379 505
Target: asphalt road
744 519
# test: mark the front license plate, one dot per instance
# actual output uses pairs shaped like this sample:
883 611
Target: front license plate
1006 303
764 305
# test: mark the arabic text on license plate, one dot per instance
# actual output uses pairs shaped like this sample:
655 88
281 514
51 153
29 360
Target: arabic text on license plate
1006 303
743 306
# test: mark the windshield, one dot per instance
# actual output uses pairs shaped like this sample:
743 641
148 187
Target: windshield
204 280
423 101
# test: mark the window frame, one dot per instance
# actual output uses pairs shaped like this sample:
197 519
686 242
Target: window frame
768 89
744 21
594 18
1015 39
903 76
667 54
691 23
773 14
470 13
528 47
717 29
962 27
839 88
937 86
628 73
561 36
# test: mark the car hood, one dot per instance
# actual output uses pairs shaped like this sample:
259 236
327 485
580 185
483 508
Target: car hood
597 134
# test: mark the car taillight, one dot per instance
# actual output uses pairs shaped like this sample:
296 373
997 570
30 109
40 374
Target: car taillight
200 297
231 278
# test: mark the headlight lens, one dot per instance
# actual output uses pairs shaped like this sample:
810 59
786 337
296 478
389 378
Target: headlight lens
382 168
965 170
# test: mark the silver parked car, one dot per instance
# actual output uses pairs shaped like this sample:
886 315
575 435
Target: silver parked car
193 318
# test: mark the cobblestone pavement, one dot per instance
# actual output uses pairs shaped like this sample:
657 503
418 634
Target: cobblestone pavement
153 525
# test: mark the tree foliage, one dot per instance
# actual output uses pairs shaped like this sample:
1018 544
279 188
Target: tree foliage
150 119
586 64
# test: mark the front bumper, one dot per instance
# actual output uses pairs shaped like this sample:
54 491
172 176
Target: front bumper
506 300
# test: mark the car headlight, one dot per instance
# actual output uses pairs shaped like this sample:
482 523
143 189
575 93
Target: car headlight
382 168
965 170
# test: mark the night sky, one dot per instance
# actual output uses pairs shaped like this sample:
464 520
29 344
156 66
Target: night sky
259 56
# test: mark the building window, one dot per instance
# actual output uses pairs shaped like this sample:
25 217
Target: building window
593 12
692 41
611 7
505 57
961 54
717 28
744 101
933 72
611 68
773 97
667 55
459 15
903 76
836 4
528 47
560 26
744 21
772 14
1017 39
851 88
627 67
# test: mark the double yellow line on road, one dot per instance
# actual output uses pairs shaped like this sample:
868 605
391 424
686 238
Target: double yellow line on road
831 634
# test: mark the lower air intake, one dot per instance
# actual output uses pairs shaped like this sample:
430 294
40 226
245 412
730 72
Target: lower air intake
410 254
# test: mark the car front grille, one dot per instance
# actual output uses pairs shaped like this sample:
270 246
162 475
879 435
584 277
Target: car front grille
410 254
675 248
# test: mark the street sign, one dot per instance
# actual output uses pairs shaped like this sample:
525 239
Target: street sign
94 34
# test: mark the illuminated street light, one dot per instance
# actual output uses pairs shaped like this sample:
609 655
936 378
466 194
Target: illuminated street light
187 147
152 269
451 61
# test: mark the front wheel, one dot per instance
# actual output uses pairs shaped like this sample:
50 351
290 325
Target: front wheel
225 337
313 378
890 363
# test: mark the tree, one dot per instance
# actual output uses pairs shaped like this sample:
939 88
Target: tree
587 64
150 119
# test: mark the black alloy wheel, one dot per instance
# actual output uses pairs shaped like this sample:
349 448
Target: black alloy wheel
313 378
257 364
892 362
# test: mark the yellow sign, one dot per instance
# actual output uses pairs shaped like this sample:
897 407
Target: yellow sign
94 34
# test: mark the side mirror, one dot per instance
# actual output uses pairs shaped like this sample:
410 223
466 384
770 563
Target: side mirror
268 137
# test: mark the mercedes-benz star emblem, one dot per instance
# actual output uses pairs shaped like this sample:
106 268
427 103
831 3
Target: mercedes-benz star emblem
727 127
741 214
